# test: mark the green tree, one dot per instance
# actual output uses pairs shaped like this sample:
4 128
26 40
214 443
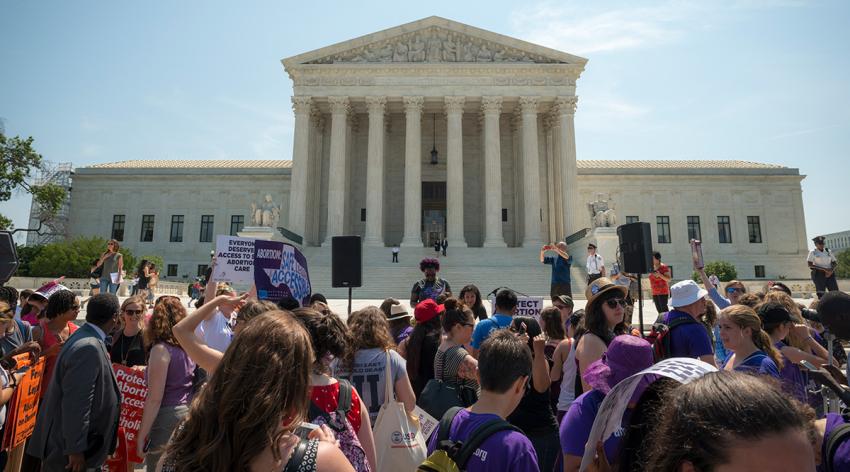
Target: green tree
842 271
725 271
26 254
74 258
19 163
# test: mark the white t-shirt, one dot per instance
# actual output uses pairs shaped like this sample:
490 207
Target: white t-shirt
215 332
822 259
595 263
395 249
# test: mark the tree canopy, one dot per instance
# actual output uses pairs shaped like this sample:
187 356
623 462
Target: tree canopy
74 258
18 163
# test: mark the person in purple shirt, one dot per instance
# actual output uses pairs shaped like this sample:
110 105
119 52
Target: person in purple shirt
626 356
504 366
778 323
840 459
752 350
689 339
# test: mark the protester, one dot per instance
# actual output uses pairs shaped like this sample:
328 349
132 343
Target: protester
128 346
503 313
111 265
23 302
730 421
223 431
215 329
142 278
364 363
565 306
452 363
431 286
169 375
398 319
421 347
752 350
626 356
822 264
78 419
54 330
9 381
560 263
153 281
688 337
595 264
186 330
603 320
16 337
504 365
659 280
471 297
534 414
563 372
555 332
352 428
444 245
38 300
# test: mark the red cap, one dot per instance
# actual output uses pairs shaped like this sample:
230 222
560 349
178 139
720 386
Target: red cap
427 310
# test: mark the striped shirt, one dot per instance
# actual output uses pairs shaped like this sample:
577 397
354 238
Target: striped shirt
446 366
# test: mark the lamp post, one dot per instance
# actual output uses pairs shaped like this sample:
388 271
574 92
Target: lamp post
434 154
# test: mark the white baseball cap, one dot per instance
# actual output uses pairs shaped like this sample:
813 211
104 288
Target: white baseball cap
685 292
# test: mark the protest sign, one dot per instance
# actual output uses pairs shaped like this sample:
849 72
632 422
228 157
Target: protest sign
526 306
234 260
610 415
133 389
280 270
23 406
427 423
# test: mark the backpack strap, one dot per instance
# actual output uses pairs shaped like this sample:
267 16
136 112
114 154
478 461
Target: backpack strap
446 424
26 332
343 403
478 436
836 437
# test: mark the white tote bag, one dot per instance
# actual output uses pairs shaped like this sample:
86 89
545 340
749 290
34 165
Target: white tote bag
399 444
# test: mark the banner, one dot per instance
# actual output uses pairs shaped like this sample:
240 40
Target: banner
526 306
23 406
280 270
234 260
133 389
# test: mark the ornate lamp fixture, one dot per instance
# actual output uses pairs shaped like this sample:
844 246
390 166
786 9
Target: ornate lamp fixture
434 153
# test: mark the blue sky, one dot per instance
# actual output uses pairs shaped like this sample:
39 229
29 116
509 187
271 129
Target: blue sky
760 80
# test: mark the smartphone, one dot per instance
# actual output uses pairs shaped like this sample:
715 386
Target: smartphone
304 429
809 366
696 254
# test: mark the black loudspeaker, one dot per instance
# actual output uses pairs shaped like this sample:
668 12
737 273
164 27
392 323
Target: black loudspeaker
346 261
636 247
8 257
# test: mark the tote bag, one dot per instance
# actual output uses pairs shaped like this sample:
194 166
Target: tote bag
399 444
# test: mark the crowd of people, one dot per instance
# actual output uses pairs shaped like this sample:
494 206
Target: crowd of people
239 383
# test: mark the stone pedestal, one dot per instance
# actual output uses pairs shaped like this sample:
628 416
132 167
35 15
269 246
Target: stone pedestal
606 245
262 232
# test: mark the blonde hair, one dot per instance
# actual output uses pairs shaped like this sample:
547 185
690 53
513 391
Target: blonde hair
745 317
137 300
6 312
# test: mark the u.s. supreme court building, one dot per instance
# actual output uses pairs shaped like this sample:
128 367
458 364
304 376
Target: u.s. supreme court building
436 129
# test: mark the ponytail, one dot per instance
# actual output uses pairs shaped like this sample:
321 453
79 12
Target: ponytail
762 341
746 317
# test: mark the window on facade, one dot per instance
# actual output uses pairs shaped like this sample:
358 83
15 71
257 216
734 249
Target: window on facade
759 270
118 227
632 219
694 231
202 270
147 228
172 270
663 223
176 229
754 229
206 228
362 214
504 215
237 222
724 230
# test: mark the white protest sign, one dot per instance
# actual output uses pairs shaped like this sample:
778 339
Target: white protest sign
426 422
526 306
610 415
234 260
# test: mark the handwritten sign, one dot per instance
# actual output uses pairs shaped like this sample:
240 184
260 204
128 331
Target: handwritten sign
526 306
23 406
133 389
280 271
234 260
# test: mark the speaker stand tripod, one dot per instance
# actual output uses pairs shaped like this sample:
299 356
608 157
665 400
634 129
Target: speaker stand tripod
640 304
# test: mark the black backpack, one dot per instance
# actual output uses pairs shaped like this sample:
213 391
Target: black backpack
835 439
659 336
454 455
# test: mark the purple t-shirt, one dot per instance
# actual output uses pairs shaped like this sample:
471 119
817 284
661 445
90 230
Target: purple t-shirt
793 380
689 339
756 363
504 451
842 453
576 425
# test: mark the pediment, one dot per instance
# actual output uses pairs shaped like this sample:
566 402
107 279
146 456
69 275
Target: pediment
434 40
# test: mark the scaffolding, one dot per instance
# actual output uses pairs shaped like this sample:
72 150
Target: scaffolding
56 228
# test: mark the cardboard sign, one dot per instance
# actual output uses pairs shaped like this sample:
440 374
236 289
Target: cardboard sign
133 389
610 415
23 406
280 270
426 422
526 306
234 260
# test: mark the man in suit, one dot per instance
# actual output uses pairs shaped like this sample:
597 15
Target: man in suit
77 423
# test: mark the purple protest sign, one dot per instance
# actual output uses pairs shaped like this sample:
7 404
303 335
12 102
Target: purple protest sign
280 270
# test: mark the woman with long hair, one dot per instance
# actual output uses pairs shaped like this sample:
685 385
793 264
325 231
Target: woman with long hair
365 360
243 421
452 363
169 377
128 346
471 297
111 264
142 278
555 333
421 347
603 320
329 340
54 329
752 350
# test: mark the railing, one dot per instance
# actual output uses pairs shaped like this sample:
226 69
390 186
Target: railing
577 236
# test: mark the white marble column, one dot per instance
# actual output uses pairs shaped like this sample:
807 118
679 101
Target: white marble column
454 171
492 108
301 105
531 176
375 173
565 108
337 168
413 172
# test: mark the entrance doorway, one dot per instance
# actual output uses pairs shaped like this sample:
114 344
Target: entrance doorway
433 212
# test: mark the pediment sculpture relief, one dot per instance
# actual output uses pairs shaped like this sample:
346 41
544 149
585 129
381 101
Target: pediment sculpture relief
433 45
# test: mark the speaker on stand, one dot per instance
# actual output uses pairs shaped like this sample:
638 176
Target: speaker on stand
8 257
636 253
346 263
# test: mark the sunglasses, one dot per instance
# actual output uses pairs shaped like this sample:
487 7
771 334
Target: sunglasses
133 312
734 289
613 302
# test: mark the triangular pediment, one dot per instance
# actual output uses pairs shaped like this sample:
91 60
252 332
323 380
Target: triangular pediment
434 40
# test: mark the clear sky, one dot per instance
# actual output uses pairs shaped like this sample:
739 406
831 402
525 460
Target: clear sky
759 80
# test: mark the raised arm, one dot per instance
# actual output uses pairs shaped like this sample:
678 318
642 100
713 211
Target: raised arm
184 331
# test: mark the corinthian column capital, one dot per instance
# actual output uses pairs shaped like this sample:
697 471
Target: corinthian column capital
454 104
413 104
566 105
301 104
339 104
529 105
491 105
376 105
